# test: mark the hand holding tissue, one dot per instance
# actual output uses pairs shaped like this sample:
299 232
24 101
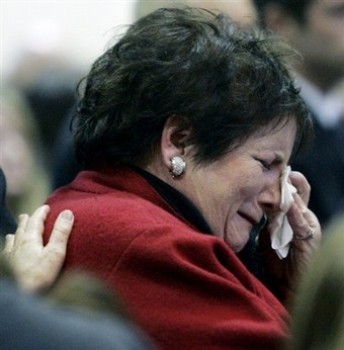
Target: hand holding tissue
281 231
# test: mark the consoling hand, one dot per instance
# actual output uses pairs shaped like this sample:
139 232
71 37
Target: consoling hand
307 239
36 266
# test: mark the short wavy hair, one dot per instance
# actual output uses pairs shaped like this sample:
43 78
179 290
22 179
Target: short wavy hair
226 82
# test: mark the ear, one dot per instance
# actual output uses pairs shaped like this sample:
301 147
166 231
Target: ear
280 21
174 138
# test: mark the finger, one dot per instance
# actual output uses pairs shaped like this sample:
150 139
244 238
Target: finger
302 219
35 224
296 218
307 214
299 181
21 228
61 231
9 242
300 204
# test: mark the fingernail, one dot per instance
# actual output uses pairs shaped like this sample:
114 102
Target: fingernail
9 236
68 215
21 217
45 208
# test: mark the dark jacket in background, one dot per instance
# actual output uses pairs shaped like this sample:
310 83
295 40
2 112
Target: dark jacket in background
7 222
30 323
323 166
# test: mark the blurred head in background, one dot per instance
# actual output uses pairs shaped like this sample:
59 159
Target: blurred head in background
21 155
315 28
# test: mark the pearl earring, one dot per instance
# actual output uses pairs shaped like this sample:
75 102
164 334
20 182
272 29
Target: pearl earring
177 166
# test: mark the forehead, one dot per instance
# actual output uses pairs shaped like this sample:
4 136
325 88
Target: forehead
280 128
280 137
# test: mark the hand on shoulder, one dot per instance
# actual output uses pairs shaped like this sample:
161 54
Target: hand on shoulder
35 265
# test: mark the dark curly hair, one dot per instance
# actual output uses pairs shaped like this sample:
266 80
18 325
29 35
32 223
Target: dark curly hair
226 83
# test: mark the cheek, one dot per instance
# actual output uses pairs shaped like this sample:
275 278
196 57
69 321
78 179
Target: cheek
238 196
329 36
219 207
251 185
236 232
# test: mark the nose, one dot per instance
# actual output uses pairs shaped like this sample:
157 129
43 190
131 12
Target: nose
270 197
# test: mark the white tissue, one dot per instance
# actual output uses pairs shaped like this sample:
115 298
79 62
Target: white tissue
281 232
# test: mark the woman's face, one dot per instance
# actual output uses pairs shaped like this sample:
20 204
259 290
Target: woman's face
234 192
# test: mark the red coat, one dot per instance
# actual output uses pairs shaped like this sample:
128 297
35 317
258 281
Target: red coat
186 289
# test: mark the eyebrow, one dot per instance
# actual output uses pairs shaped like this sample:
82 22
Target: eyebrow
278 158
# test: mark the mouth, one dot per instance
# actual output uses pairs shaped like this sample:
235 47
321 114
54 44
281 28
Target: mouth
249 218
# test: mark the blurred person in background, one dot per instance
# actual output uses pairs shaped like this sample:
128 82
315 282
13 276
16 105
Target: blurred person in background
318 313
22 160
48 84
315 29
7 221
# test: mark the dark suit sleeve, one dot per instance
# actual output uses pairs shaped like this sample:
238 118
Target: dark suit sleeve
28 322
7 222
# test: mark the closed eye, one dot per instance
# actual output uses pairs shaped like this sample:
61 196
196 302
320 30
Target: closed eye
265 164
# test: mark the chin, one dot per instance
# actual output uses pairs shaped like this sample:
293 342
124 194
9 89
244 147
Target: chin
238 248
237 233
238 245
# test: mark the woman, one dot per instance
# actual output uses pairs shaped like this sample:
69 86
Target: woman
185 127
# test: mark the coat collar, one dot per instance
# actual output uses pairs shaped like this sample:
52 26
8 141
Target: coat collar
145 185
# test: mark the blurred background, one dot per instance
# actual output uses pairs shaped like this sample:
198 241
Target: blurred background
76 31
72 31
46 48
